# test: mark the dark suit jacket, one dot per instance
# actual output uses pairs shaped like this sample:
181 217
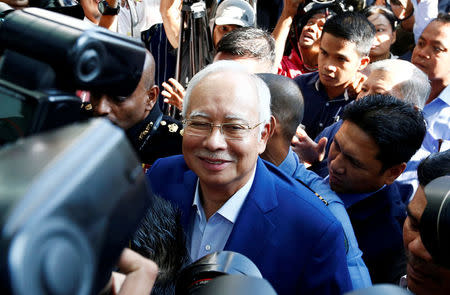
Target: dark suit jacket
282 227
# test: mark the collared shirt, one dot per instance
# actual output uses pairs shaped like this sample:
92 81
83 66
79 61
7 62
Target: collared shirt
437 115
320 110
208 236
359 274
351 199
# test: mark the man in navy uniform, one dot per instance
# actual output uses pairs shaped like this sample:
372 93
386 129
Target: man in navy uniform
152 134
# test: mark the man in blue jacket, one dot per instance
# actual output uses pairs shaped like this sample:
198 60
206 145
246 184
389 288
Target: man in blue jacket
232 200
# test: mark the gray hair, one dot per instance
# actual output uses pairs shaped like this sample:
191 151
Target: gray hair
249 42
415 86
263 93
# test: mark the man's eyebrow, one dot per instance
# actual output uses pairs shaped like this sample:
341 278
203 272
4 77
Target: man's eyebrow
198 114
410 215
235 117
438 43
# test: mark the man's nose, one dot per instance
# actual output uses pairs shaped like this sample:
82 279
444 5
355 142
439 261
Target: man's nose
329 67
215 140
337 165
103 107
417 248
423 52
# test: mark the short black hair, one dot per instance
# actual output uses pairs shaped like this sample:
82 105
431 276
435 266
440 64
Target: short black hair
443 18
434 166
286 103
396 127
249 42
353 27
388 14
161 238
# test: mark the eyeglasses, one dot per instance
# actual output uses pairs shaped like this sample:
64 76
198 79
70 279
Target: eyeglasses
228 130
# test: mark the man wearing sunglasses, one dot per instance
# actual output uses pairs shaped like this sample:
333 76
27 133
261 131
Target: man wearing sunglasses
152 134
232 200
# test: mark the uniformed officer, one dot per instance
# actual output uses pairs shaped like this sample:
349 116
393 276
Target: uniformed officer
152 134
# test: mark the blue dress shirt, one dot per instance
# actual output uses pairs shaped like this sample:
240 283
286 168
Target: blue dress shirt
437 114
209 236
359 274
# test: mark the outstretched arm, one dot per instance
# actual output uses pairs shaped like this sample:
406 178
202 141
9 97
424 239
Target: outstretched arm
281 31
171 15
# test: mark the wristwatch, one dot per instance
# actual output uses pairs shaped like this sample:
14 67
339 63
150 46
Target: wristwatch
105 9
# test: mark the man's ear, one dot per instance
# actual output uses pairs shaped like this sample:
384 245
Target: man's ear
152 97
365 60
273 126
265 134
391 174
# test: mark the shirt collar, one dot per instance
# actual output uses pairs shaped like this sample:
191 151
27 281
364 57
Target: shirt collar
290 163
317 85
351 199
231 208
445 95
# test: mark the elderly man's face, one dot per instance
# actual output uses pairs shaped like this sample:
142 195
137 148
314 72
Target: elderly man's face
424 276
219 162
382 82
432 52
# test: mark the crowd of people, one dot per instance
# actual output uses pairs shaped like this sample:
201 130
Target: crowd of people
305 146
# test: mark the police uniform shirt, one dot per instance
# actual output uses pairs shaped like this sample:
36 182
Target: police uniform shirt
152 142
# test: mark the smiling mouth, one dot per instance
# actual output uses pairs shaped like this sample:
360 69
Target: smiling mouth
215 162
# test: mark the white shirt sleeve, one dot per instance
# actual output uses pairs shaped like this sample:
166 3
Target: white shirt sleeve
424 12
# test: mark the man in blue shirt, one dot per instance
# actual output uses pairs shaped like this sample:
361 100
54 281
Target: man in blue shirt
398 78
287 112
378 136
344 48
432 56
232 200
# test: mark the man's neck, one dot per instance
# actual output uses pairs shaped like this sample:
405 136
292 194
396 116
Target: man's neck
276 151
335 91
211 204
214 196
437 86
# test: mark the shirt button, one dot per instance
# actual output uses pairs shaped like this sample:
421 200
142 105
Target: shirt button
207 247
320 124
327 104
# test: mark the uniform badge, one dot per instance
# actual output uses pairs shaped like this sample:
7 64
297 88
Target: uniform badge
172 127
146 130
88 107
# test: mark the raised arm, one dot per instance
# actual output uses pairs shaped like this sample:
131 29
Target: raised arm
171 15
281 31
